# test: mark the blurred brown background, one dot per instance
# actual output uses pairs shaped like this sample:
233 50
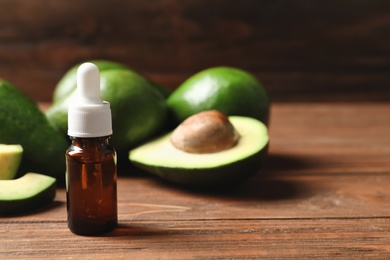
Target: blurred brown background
305 50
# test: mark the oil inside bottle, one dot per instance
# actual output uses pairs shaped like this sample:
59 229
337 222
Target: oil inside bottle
91 191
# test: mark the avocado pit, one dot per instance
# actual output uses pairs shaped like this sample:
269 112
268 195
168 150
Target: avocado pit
205 132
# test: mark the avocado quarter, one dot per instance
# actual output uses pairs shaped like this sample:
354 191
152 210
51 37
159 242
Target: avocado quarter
226 167
26 193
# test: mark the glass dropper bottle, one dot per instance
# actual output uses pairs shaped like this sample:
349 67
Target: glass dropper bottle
91 174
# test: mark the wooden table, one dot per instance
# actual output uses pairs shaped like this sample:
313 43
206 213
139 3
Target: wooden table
325 192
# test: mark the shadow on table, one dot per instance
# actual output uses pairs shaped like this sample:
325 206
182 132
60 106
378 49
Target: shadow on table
139 231
40 210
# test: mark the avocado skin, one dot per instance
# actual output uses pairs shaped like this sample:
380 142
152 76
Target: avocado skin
229 90
68 83
219 177
137 105
22 122
25 205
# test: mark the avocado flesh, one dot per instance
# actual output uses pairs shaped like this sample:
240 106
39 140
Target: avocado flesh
161 158
10 157
26 193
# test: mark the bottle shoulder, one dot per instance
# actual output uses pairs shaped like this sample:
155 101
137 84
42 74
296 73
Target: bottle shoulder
91 152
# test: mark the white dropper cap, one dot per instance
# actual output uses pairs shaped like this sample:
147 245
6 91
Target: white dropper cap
88 115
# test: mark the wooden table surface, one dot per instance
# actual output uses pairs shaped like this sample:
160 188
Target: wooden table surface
325 192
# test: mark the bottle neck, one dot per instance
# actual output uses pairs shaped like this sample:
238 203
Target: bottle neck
90 142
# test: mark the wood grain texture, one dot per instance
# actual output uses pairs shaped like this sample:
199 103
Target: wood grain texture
323 194
301 51
208 239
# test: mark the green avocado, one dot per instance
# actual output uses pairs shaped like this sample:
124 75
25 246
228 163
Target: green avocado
232 91
29 192
22 122
137 105
10 157
68 82
221 168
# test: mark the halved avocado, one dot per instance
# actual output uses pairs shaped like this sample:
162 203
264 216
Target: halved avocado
26 193
225 167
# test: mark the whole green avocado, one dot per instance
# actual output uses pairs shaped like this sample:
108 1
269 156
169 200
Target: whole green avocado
137 104
22 122
232 91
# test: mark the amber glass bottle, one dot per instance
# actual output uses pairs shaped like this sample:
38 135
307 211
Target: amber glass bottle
91 186
90 160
